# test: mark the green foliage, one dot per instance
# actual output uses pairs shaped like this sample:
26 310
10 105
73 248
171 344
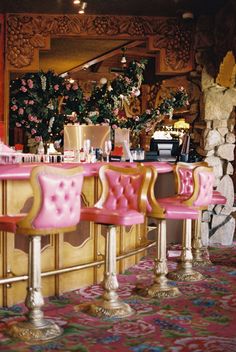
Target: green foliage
41 103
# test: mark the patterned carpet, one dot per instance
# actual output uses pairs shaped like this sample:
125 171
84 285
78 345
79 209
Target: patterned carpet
202 319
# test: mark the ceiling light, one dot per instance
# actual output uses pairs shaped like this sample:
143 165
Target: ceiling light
82 7
76 2
103 80
187 15
123 58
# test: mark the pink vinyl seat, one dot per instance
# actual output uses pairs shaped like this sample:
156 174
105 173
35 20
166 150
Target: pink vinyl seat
162 209
55 209
122 203
184 189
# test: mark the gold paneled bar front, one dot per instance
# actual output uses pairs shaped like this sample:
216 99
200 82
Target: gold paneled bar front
69 261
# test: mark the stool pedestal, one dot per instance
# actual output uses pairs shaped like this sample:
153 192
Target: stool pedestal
198 258
185 270
160 288
35 328
110 305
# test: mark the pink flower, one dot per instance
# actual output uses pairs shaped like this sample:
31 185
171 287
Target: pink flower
37 138
114 127
68 86
56 87
23 89
14 107
30 83
26 102
30 118
18 124
21 111
33 131
75 86
66 97
31 102
133 329
116 111
23 82
204 343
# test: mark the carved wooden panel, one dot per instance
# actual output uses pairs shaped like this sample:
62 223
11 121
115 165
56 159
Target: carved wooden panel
28 34
174 40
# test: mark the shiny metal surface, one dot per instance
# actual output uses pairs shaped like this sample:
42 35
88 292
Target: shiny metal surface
74 136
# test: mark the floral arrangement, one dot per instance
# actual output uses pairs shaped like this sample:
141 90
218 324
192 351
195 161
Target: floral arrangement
35 104
146 121
41 103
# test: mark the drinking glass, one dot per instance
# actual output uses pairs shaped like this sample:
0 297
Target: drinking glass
87 146
107 149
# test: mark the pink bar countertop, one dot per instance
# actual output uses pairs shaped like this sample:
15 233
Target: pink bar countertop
22 171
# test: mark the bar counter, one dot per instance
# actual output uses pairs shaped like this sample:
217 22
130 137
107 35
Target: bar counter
69 261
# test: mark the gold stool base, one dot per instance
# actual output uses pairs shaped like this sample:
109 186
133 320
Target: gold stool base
156 291
32 333
185 275
201 262
105 309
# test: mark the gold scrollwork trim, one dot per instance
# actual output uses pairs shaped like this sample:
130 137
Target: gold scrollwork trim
25 34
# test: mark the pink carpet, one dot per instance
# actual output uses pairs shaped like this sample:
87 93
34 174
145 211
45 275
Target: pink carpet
202 319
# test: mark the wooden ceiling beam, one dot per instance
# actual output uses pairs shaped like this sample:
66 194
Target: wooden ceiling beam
105 56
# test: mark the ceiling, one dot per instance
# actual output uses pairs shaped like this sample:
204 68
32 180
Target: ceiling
66 55
116 7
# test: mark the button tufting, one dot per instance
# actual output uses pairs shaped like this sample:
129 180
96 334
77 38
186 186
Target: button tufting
53 198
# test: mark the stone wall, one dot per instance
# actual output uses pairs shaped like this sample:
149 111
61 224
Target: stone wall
214 130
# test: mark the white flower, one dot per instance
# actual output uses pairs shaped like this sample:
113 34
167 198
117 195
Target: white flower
44 82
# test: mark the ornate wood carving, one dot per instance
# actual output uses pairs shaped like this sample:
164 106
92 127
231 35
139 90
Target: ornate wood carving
27 34
174 41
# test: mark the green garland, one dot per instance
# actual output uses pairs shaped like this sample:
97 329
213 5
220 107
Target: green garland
41 103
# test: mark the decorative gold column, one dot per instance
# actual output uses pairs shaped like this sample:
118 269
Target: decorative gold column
110 305
160 288
35 328
198 259
184 270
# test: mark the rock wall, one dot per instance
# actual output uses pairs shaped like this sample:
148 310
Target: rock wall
214 130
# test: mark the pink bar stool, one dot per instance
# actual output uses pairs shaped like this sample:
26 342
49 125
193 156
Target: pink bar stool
184 190
162 210
203 180
55 209
122 203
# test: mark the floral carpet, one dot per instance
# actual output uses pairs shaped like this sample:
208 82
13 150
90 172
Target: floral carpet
202 319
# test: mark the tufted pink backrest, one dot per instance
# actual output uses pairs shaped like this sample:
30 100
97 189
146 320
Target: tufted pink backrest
56 200
124 190
185 180
61 201
204 181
